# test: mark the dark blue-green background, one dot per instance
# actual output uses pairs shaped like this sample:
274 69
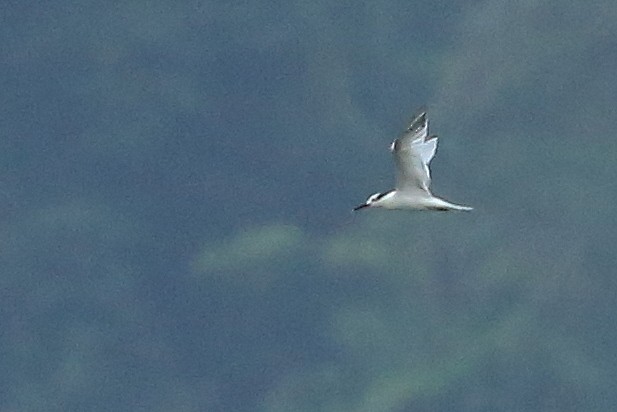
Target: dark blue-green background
176 180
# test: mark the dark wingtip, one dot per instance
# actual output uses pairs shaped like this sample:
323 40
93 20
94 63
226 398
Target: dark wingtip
420 112
418 119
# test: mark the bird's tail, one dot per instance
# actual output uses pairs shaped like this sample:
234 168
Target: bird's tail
461 208
444 205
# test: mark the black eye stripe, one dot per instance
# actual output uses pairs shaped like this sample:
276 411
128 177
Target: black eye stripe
383 194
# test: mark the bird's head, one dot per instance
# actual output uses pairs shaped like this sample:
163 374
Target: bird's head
372 201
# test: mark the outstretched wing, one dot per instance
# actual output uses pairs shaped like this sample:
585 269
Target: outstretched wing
413 152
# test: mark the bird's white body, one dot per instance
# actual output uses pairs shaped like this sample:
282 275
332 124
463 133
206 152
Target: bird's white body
396 200
412 153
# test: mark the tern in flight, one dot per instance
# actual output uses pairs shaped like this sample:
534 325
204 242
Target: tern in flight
412 152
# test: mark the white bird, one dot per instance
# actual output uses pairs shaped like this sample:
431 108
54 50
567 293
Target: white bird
412 152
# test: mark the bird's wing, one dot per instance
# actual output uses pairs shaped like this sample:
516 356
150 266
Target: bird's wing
413 152
418 128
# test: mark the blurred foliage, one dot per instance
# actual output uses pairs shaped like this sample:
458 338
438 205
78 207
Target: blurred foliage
176 185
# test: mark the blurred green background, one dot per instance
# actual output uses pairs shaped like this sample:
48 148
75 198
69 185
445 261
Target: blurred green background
177 178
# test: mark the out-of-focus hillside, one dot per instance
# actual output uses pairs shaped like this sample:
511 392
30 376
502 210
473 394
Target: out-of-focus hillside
176 180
